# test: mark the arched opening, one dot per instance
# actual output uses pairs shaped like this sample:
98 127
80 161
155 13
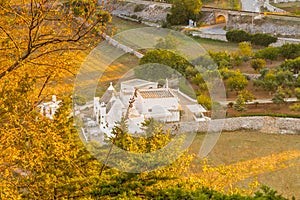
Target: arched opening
221 19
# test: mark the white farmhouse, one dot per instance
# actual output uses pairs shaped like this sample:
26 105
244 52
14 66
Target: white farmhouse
48 109
137 101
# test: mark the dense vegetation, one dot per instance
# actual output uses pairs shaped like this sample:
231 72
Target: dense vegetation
257 38
184 10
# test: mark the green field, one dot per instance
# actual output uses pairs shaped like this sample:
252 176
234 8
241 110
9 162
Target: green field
243 146
292 7
119 25
225 4
208 44
215 45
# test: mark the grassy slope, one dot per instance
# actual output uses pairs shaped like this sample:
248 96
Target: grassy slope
237 147
225 4
293 7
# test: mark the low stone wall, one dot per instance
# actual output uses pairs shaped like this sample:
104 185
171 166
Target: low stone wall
276 25
152 12
152 24
282 41
123 47
270 125
210 36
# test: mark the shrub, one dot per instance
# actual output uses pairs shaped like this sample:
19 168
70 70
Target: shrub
138 8
240 104
247 95
290 51
205 101
292 65
230 104
165 24
279 96
237 36
237 82
222 59
258 64
237 60
295 107
134 16
262 39
245 50
270 53
297 93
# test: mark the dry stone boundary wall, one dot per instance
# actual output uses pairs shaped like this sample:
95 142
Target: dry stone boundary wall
271 125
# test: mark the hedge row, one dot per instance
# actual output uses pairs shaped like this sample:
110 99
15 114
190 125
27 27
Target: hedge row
268 115
260 39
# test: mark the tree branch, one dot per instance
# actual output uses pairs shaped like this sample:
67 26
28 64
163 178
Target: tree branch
12 39
44 85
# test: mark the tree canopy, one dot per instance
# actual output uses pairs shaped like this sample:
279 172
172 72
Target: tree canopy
161 64
39 34
183 10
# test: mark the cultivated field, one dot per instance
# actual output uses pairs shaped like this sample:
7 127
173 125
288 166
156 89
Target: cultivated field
273 159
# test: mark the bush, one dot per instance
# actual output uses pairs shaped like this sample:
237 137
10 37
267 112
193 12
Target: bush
270 53
205 101
165 24
237 60
258 64
295 107
262 39
240 104
230 104
238 36
237 82
222 59
290 51
292 65
245 50
247 95
297 93
279 96
138 8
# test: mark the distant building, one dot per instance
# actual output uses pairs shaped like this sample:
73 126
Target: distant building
48 109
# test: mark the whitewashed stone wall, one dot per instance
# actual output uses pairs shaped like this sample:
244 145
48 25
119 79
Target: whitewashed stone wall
270 125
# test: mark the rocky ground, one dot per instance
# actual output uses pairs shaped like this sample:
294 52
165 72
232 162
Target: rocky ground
149 11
